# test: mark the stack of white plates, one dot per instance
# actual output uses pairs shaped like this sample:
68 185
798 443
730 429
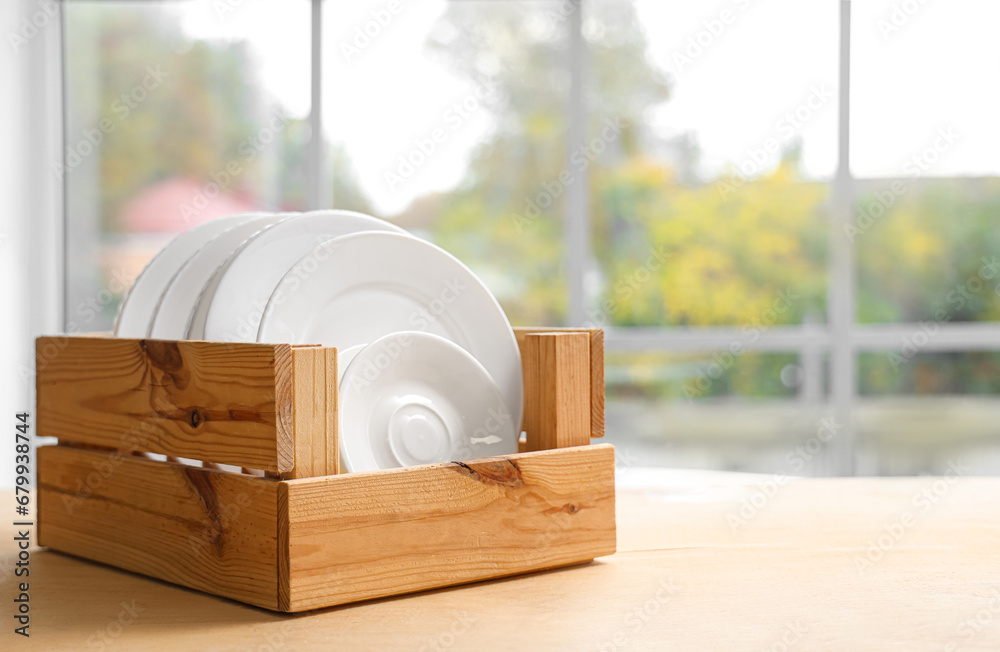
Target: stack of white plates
430 369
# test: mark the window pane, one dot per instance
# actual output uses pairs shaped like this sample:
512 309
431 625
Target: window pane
717 411
893 373
711 200
924 99
445 118
932 254
919 413
177 112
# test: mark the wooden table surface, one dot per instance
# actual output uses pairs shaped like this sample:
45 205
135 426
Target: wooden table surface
706 561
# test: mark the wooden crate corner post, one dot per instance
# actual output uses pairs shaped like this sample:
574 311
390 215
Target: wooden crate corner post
315 415
557 409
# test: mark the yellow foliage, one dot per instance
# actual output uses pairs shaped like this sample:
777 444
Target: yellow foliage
733 248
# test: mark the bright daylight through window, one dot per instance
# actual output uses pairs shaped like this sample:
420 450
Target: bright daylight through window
789 235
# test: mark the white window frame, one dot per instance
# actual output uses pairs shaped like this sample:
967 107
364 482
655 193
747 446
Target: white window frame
841 337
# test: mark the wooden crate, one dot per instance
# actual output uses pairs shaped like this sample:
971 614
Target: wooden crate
287 532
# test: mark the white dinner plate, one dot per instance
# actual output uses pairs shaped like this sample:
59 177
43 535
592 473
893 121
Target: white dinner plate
173 314
414 398
232 302
357 288
135 314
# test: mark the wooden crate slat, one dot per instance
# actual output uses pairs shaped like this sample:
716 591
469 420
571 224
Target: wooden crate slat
218 402
314 412
208 530
597 382
557 412
367 535
596 369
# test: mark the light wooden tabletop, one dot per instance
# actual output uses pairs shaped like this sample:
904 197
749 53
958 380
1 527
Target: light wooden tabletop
706 561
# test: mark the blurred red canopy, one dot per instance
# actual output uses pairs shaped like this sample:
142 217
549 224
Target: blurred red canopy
178 204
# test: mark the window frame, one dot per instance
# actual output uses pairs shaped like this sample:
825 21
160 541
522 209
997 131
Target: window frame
841 338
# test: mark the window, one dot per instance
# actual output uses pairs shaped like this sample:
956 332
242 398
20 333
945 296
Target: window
444 118
176 113
782 213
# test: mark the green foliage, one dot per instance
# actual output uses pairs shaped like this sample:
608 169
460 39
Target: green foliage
671 249
923 258
207 112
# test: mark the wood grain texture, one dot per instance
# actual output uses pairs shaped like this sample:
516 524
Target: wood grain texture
359 536
284 602
596 369
314 412
794 563
204 529
223 403
557 390
597 382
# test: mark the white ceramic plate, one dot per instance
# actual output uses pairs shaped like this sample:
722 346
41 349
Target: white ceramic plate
413 398
357 288
139 305
231 305
173 314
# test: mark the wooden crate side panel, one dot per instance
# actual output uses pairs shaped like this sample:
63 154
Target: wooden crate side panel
596 369
204 529
223 403
368 535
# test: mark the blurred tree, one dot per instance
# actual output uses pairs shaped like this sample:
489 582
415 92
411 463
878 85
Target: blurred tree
182 107
671 248
672 251
933 255
506 218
